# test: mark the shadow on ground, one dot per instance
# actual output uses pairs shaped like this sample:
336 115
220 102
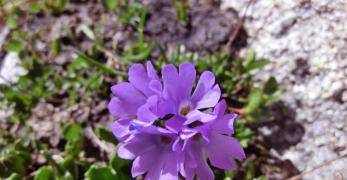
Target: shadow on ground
283 132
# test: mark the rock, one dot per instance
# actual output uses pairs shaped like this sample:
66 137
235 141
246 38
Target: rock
11 69
306 41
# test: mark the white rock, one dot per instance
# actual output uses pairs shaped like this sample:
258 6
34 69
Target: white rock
11 69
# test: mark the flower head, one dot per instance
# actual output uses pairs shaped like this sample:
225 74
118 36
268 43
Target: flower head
167 128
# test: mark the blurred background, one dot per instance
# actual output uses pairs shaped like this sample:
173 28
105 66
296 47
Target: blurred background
281 65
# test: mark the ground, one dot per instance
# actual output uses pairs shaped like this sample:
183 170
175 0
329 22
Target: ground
304 137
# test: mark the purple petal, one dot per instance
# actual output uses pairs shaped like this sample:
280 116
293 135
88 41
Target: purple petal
155 171
127 101
222 150
145 115
166 107
120 128
175 124
156 87
224 123
197 115
170 81
116 108
220 108
152 74
206 94
187 75
144 162
202 171
170 169
135 145
178 86
139 79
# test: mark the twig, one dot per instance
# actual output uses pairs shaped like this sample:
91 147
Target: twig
102 145
239 25
299 176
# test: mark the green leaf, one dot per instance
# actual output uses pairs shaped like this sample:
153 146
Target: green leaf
74 148
14 176
255 101
96 172
119 165
271 86
14 46
101 66
88 31
243 134
181 12
262 115
55 47
110 5
141 53
250 58
44 173
12 22
72 132
257 64
35 7
273 97
250 171
105 135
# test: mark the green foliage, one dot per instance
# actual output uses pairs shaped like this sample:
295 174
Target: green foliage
55 6
12 21
181 12
119 165
99 65
30 88
110 5
72 132
243 134
44 173
35 7
13 159
136 16
14 176
14 46
105 135
100 172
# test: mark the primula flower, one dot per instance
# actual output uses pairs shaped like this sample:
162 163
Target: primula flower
167 129
130 96
151 147
214 139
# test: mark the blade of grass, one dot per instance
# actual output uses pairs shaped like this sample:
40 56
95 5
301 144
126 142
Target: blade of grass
101 66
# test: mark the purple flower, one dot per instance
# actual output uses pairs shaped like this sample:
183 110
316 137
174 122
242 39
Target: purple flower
130 97
213 138
167 128
151 149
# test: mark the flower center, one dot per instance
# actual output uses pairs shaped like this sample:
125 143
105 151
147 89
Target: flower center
185 110
197 137
195 124
166 140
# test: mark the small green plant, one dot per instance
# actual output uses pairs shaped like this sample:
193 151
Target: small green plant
181 11
56 6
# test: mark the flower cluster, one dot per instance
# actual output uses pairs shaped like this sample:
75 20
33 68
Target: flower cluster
167 129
